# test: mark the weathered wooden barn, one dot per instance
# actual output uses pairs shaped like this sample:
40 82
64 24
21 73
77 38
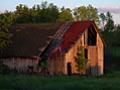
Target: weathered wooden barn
58 44
28 41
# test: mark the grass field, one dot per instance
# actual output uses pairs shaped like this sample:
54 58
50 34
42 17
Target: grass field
110 81
115 51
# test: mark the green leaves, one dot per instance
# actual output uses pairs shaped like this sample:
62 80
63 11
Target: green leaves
81 61
110 23
65 15
86 13
6 21
5 39
44 64
37 14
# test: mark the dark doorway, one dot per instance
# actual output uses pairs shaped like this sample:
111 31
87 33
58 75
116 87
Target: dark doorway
69 69
86 53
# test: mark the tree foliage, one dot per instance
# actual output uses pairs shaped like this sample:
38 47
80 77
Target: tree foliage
110 23
103 18
6 20
22 14
112 37
45 12
81 61
65 14
36 14
111 33
86 13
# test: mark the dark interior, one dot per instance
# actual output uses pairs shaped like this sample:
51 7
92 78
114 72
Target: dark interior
92 36
69 71
86 53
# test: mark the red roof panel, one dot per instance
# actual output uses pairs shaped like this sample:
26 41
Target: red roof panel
72 34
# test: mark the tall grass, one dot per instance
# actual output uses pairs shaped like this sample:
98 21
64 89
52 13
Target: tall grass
33 82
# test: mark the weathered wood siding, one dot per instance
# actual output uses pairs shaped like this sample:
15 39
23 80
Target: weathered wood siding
95 54
71 55
21 64
100 47
56 66
93 59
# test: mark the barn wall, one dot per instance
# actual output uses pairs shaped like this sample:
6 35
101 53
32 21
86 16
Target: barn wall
93 59
56 65
95 55
84 38
71 55
59 64
92 56
21 64
100 47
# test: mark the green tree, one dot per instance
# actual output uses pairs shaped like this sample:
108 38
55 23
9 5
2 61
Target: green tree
108 15
103 18
92 13
110 23
5 40
38 13
80 13
65 14
81 61
49 13
22 14
86 13
6 21
118 27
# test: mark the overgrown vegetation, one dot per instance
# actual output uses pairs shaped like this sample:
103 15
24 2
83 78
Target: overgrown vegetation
5 36
81 61
110 81
4 69
44 64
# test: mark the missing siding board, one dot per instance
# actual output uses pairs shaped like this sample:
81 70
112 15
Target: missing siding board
86 53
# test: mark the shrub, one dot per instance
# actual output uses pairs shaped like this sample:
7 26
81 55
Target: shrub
4 69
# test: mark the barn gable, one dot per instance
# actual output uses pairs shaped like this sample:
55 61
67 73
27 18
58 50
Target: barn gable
64 54
72 35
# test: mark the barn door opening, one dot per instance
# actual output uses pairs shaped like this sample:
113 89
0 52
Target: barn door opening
69 71
86 53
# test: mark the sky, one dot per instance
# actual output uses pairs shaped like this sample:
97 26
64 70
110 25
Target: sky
103 5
